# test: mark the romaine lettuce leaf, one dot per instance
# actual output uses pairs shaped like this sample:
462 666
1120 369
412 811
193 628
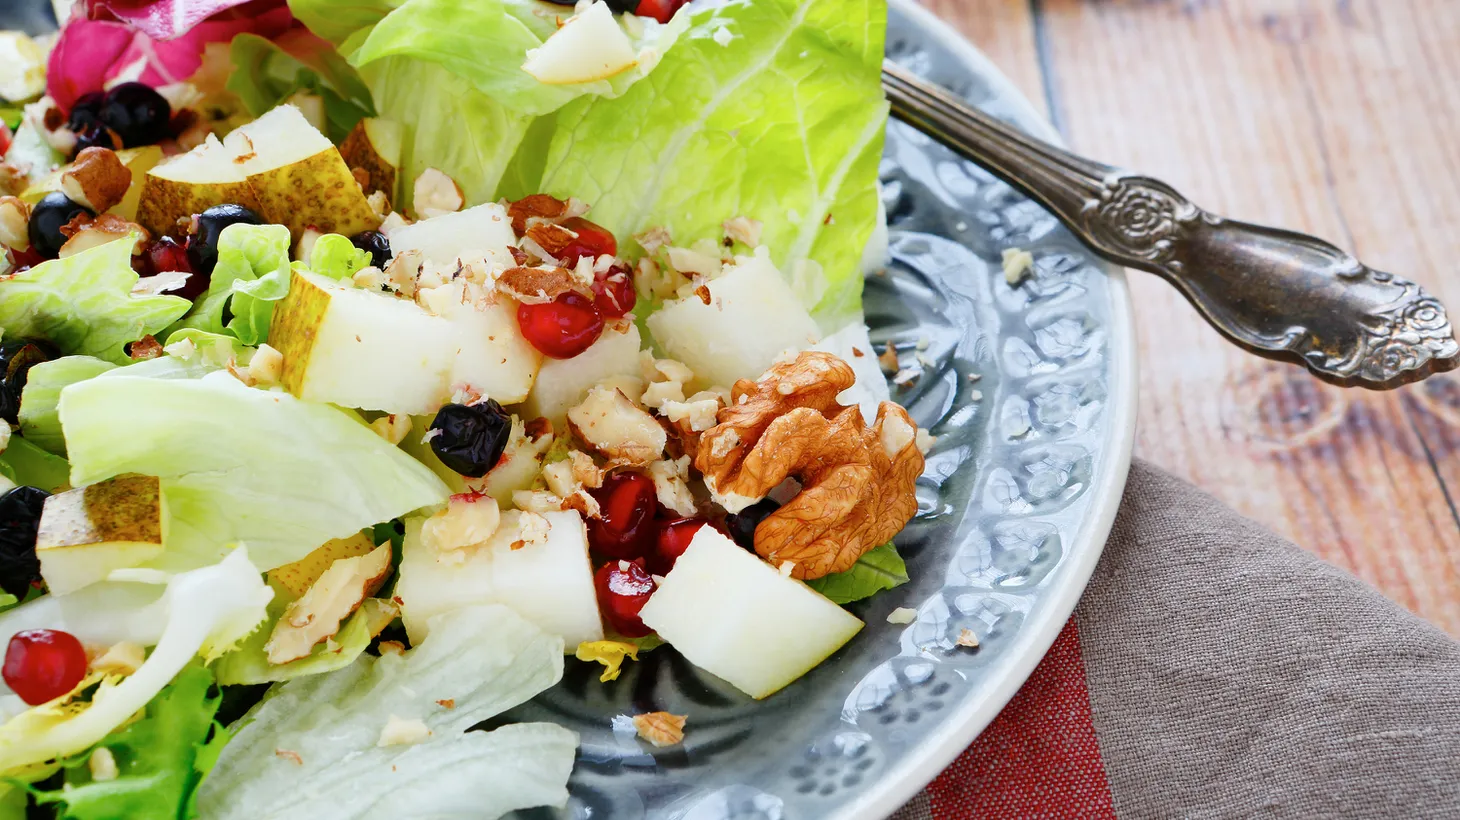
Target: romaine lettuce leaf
38 420
84 304
267 73
783 123
878 569
157 758
337 20
241 465
28 465
208 611
337 257
252 272
477 662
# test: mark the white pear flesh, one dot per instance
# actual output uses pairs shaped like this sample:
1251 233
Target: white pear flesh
549 583
590 46
351 347
491 354
753 318
480 231
853 345
87 532
562 383
738 618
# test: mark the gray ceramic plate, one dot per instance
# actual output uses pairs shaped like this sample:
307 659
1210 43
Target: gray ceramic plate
1016 503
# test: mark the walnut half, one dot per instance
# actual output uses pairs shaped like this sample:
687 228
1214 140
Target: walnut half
857 481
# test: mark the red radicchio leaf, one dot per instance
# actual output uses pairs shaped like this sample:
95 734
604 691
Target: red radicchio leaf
170 19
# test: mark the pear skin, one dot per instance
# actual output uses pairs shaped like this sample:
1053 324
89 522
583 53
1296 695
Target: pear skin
374 145
87 532
317 192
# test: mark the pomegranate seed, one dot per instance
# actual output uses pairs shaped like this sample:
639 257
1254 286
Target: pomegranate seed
5 137
625 529
613 292
660 10
44 664
593 241
25 260
562 328
674 538
623 589
166 254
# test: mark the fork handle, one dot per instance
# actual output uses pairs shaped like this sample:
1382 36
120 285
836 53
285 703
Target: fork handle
1277 293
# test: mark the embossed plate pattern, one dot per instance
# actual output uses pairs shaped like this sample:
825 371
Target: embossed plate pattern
1016 503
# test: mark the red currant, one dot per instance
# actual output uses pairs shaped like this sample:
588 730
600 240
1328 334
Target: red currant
43 664
625 527
623 589
562 328
660 10
613 292
593 241
674 538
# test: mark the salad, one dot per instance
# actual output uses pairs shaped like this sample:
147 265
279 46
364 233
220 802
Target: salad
364 362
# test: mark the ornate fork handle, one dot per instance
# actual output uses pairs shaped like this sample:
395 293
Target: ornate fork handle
1277 293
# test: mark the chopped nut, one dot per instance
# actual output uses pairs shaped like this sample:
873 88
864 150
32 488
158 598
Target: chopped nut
887 359
857 481
698 412
393 427
653 239
401 273
660 728
97 179
924 441
121 658
787 568
316 616
468 520
968 639
906 377
102 765
536 428
613 425
1017 265
671 485
537 501
13 178
289 755
692 263
536 286
434 193
14 223
267 365
533 529
902 615
609 653
105 228
585 471
391 648
401 732
744 230
144 348
379 203
540 206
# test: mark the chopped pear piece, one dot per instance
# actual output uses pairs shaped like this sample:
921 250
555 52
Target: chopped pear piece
296 578
316 615
355 348
737 617
137 160
753 317
590 46
192 183
87 532
492 356
481 231
562 383
375 145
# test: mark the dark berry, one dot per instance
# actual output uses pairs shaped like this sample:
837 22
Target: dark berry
374 243
625 528
43 664
623 588
562 328
203 243
742 524
17 357
54 212
471 437
20 518
136 112
96 135
85 111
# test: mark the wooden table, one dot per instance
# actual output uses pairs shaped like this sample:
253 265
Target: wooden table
1335 117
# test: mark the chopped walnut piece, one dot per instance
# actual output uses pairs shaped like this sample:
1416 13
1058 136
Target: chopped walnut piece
447 703
857 481
887 359
968 639
99 231
536 286
1018 263
652 239
744 230
616 427
671 485
145 348
267 365
541 206
14 223
698 413
660 728
391 648
97 179
434 193
533 529
468 520
13 178
316 616
401 732
537 501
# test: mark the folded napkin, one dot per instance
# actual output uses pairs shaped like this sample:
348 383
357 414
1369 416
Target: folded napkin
1213 669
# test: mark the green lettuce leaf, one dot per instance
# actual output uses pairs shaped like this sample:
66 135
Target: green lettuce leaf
241 465
483 659
29 465
266 74
337 20
39 422
84 305
785 121
337 257
879 569
156 757
252 273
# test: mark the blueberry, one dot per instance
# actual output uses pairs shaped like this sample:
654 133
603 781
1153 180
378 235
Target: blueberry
742 524
17 357
203 244
48 217
136 112
96 135
470 439
376 244
86 111
20 518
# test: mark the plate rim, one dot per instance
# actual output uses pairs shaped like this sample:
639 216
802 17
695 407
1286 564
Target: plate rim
937 752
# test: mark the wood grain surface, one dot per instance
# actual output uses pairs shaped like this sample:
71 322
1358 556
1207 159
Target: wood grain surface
1334 117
